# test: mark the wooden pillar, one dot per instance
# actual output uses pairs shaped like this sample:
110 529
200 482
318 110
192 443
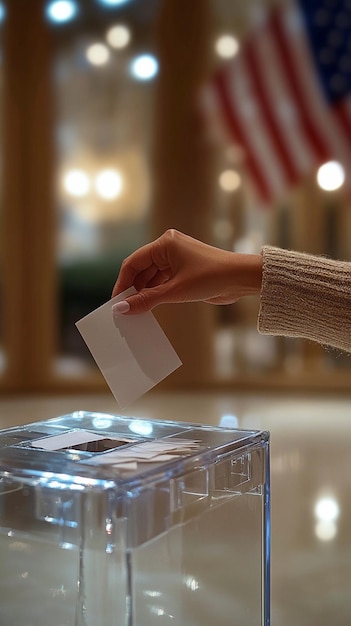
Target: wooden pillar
28 205
12 213
183 196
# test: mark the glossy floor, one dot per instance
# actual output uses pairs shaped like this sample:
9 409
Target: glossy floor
311 484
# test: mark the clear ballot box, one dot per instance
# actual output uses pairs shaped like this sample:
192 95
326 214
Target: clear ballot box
107 520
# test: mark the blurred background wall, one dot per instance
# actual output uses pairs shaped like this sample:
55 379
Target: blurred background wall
228 120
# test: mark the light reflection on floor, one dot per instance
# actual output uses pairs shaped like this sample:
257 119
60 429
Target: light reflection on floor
311 480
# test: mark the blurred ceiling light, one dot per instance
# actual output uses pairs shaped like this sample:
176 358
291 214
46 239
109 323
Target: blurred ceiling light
109 184
227 46
113 3
229 180
326 509
118 36
144 67
331 176
2 12
61 11
76 183
98 54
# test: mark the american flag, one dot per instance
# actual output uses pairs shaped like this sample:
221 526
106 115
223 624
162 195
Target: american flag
286 97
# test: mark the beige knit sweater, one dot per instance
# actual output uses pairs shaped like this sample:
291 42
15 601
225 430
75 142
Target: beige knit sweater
306 296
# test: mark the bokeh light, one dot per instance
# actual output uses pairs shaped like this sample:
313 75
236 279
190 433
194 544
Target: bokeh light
2 12
144 67
229 180
228 420
226 46
141 427
326 509
60 11
76 183
113 3
98 54
331 176
118 36
109 184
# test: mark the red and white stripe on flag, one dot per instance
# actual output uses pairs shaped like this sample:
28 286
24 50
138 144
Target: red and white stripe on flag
274 107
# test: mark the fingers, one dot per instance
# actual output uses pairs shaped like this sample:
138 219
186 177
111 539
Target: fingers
159 278
155 269
151 277
143 278
133 266
123 282
148 266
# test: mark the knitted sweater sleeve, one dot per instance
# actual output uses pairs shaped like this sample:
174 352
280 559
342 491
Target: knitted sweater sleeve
306 296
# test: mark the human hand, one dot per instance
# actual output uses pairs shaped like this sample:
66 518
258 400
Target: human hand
177 268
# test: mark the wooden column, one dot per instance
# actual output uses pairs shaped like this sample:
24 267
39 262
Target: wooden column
182 170
28 205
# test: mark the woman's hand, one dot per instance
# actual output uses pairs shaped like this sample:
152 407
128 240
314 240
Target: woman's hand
177 268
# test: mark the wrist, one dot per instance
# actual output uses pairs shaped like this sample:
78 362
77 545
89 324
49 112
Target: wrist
249 273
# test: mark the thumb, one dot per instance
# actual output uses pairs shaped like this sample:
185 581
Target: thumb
140 302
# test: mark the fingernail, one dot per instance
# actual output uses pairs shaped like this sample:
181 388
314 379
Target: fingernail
120 307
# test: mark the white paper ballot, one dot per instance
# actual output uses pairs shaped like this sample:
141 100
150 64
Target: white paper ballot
65 440
133 355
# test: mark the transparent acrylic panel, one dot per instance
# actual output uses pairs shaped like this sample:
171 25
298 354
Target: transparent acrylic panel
182 536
